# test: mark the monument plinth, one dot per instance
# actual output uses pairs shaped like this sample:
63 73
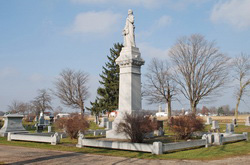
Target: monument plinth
130 63
12 123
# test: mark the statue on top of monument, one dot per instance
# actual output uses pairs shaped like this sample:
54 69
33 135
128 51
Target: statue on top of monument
128 31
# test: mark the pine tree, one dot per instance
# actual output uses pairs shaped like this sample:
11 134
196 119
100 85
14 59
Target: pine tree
108 93
95 109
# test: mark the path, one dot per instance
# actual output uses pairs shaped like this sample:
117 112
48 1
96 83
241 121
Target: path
23 155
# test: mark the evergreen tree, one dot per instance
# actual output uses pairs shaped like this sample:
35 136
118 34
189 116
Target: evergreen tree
95 109
108 93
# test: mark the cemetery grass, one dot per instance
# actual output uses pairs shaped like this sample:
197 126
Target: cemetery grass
210 153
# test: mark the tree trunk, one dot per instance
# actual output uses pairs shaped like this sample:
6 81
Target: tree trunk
169 109
97 119
236 108
193 107
82 109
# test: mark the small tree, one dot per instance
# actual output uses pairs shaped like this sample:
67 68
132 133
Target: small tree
71 88
184 126
221 111
241 67
19 107
159 86
136 126
42 102
73 125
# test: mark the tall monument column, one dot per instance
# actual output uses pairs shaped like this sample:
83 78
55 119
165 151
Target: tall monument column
130 63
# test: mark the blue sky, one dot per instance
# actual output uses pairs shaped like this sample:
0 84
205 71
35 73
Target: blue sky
39 38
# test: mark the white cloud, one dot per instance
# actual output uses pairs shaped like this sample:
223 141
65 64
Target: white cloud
95 22
149 51
234 12
160 23
163 21
145 3
36 77
8 71
176 4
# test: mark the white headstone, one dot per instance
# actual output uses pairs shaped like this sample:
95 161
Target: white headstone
215 125
130 63
247 121
49 129
230 128
209 121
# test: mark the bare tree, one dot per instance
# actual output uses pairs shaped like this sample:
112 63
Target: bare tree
19 107
241 66
201 70
71 88
42 102
159 86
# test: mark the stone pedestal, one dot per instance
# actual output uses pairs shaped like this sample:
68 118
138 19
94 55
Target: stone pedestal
130 63
12 123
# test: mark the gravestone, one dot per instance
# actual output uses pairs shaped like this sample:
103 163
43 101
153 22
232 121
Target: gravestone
234 121
12 123
41 119
49 129
209 121
39 128
159 132
247 121
130 63
109 125
103 122
215 125
230 128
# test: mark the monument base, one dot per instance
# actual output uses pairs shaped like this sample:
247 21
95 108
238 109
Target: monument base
113 134
12 123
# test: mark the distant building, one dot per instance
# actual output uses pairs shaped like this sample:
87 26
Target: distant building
161 114
60 115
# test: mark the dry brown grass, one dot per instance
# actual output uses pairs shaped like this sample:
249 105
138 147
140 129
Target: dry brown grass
228 119
221 119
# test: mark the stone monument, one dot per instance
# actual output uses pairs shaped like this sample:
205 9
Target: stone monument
41 119
12 123
130 63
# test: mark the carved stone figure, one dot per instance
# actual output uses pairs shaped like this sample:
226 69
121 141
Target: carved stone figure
128 31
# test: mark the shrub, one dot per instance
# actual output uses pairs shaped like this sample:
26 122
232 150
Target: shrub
184 126
136 126
72 125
